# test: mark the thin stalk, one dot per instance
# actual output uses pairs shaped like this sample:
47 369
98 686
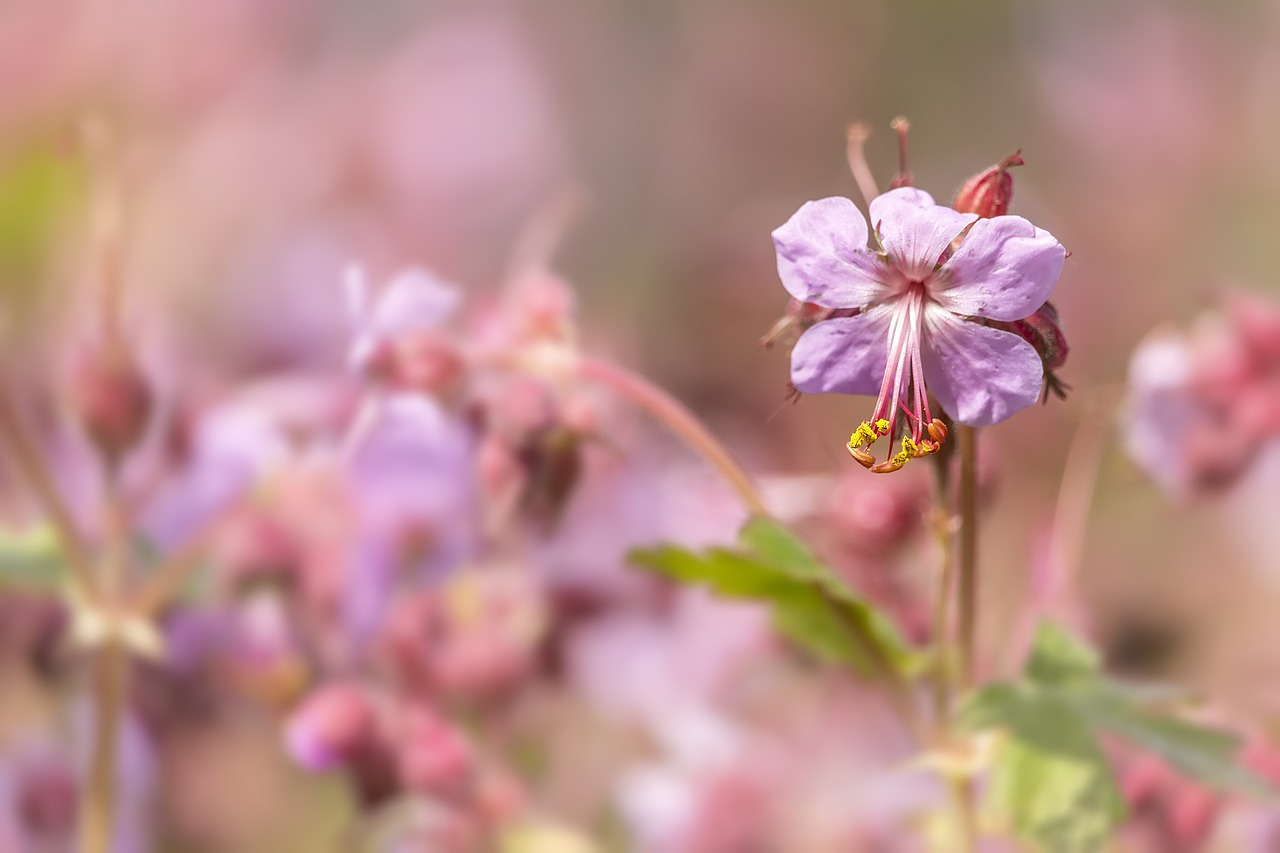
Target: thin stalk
111 667
31 467
672 413
942 628
111 674
164 584
968 580
959 790
855 150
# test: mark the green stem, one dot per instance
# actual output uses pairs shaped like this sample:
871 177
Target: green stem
967 592
111 674
968 581
110 687
26 457
682 422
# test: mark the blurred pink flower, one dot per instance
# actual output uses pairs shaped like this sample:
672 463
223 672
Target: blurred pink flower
911 338
1200 404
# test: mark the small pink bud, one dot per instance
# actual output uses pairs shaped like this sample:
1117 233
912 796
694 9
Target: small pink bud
339 728
111 397
331 728
434 758
989 192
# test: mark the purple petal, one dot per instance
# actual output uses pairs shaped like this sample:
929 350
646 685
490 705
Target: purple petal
823 256
845 355
915 231
414 301
980 375
1004 270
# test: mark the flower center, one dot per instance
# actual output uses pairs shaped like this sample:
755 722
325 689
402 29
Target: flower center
902 391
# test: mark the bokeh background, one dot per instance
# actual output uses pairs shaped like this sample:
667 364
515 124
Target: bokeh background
259 148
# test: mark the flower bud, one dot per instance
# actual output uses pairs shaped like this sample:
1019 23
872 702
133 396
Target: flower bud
1043 330
111 397
989 192
332 727
433 756
339 727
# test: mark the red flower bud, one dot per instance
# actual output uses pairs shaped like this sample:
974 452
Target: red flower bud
1043 331
112 398
989 192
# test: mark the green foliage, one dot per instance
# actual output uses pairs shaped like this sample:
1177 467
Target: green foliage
812 606
1051 780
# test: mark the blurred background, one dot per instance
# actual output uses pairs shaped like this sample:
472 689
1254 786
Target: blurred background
258 149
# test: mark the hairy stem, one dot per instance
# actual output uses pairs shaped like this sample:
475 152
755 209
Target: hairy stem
682 422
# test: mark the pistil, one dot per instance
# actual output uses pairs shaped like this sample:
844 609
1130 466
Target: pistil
902 389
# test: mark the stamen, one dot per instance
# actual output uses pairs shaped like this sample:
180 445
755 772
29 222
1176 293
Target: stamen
903 178
901 390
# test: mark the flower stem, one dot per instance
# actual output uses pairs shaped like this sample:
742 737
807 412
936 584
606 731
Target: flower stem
33 470
682 422
959 790
942 635
110 687
968 580
111 673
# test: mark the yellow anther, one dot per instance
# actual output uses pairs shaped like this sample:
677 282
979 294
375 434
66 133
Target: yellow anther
864 436
882 427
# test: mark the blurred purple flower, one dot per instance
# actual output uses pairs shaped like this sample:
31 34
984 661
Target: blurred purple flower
414 302
232 448
911 336
409 470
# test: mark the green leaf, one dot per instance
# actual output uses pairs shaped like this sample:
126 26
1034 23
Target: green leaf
1059 658
1051 779
778 547
812 606
1205 754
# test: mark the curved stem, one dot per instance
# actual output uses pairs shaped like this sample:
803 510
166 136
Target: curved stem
681 421
855 151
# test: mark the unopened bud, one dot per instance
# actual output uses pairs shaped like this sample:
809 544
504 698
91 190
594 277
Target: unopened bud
989 192
338 728
433 756
112 398
1043 330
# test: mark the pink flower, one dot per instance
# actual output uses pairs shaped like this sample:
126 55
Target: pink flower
921 294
